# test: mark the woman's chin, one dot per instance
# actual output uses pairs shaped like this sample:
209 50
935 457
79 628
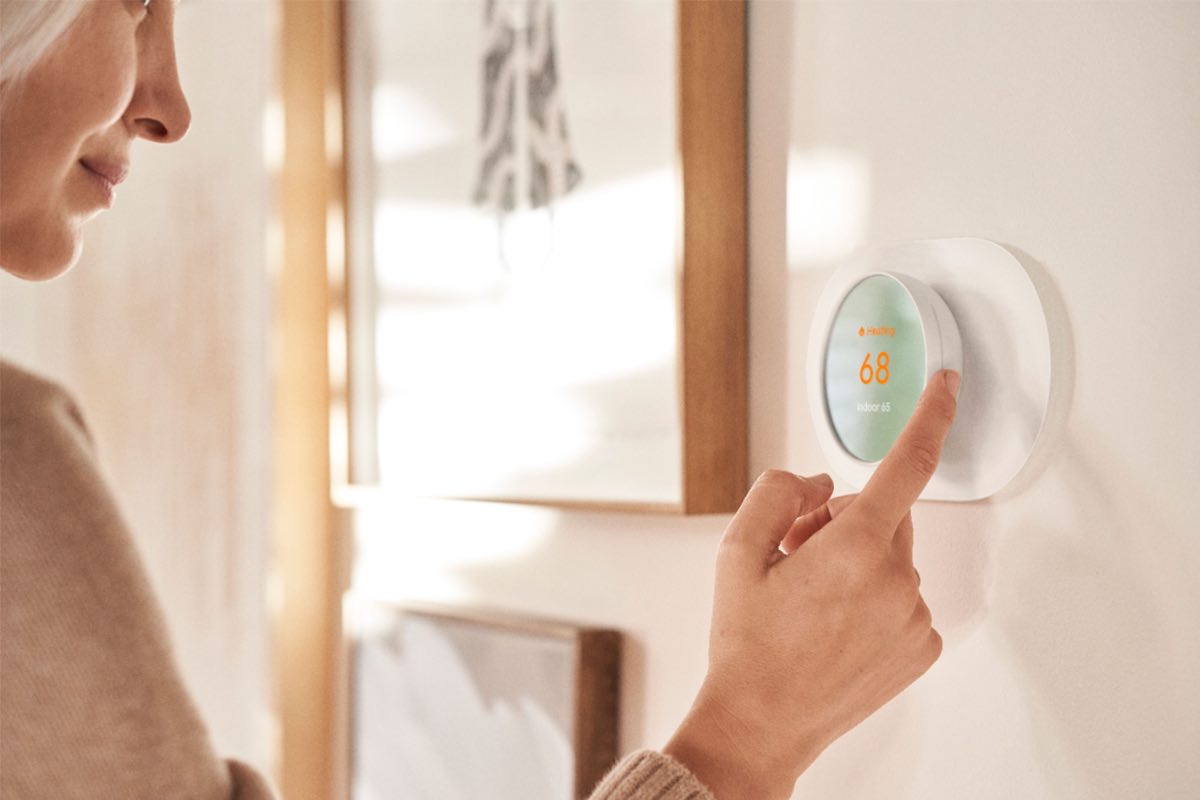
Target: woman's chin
44 259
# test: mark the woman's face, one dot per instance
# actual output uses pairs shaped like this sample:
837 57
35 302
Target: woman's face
66 128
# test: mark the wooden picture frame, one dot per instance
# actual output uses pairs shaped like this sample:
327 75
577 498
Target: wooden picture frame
712 132
463 684
318 409
711 292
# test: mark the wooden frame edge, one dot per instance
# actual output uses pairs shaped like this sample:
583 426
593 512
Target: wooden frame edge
713 331
308 659
598 702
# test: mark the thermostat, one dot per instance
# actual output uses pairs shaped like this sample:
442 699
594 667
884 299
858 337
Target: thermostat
893 316
890 335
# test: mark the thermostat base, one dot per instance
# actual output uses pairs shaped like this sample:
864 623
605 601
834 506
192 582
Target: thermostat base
1006 361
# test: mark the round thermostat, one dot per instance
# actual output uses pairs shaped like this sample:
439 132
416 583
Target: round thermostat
891 333
892 316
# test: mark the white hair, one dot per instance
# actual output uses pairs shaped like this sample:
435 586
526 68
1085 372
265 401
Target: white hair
28 28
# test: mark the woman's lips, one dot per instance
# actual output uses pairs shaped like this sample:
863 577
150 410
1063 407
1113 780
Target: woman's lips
106 175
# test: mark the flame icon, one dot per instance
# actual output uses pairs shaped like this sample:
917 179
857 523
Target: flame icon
862 332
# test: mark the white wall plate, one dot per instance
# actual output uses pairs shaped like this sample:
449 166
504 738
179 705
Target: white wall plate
1005 360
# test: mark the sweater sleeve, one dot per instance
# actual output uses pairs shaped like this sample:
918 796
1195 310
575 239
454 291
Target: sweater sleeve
91 702
248 784
649 775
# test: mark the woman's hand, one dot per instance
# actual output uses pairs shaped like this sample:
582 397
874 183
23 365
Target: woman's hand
804 646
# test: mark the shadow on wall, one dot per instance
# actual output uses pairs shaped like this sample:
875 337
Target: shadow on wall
1084 613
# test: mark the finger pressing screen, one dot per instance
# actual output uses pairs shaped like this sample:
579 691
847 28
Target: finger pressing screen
908 466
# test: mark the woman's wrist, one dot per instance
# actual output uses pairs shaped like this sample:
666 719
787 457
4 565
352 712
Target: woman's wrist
729 758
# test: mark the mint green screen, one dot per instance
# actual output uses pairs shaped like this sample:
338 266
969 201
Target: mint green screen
869 403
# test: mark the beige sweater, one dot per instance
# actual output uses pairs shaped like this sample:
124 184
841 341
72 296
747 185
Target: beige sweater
91 702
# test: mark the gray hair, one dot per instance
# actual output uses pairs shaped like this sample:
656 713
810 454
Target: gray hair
28 29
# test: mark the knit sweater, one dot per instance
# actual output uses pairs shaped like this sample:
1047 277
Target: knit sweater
91 701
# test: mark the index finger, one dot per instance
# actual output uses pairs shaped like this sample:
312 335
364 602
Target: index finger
908 466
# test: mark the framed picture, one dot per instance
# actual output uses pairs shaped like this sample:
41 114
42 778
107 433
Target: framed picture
462 705
545 229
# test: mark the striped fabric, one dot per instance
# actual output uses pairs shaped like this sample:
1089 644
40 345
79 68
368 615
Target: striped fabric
649 775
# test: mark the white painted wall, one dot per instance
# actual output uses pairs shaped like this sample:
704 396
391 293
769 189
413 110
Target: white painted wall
1070 609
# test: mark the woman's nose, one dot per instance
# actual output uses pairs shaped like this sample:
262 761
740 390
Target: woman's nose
167 126
159 110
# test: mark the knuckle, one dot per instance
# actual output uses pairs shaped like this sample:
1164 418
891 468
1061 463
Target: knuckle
778 477
922 616
908 595
839 504
934 647
922 455
733 550
897 596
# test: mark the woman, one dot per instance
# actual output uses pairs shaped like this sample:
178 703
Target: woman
817 619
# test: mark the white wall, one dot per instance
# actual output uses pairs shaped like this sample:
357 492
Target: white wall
1069 609
161 334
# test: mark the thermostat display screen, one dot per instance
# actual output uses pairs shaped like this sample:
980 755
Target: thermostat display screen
874 366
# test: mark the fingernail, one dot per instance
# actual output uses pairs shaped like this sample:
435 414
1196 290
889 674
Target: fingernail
952 380
823 479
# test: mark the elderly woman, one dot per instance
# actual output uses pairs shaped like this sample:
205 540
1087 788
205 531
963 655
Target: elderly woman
818 619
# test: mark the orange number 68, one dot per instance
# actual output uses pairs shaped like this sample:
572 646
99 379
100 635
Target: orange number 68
880 373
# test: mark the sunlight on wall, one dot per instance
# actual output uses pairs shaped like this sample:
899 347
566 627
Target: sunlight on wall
272 154
404 124
828 199
419 557
273 135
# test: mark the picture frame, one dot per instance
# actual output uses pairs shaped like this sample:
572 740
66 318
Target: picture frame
467 703
696 460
